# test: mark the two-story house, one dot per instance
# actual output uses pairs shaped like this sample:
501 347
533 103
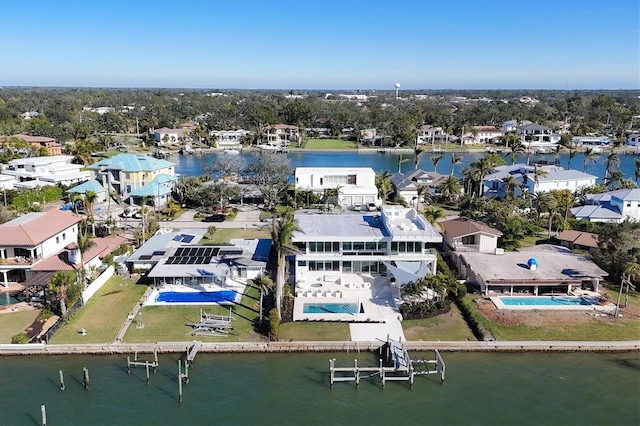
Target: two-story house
613 206
229 138
482 135
536 135
30 238
52 146
356 185
464 235
49 170
166 136
408 185
280 135
428 134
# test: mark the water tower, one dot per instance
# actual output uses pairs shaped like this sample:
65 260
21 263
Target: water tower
397 88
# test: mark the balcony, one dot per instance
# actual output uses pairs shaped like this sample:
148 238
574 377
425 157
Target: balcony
19 261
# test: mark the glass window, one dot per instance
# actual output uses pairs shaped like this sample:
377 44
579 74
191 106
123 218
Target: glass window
346 246
312 247
358 246
382 245
336 247
327 247
346 266
402 247
394 246
370 246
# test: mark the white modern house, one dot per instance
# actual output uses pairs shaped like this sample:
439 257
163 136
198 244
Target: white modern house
229 138
166 136
590 140
49 170
356 185
32 237
428 133
536 135
556 178
613 206
362 259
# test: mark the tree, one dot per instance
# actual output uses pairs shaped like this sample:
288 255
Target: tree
90 197
384 185
637 171
434 214
332 194
572 154
612 163
511 183
84 244
435 160
400 161
281 233
517 148
59 286
271 172
450 188
589 157
266 285
455 159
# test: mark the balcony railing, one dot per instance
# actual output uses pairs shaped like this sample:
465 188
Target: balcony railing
19 260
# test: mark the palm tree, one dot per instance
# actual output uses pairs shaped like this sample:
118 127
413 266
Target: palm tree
450 188
266 285
616 179
612 162
423 192
511 139
537 174
637 172
281 233
556 154
84 244
332 194
589 157
400 161
572 154
435 160
90 197
516 148
434 214
511 183
58 285
383 182
417 150
455 159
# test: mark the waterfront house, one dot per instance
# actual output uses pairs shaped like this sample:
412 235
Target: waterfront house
612 206
590 140
578 240
166 136
362 257
633 139
536 135
482 135
407 184
126 174
280 135
558 271
556 178
33 237
229 138
356 185
428 133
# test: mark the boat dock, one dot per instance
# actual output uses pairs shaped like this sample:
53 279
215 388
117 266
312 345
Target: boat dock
193 351
394 364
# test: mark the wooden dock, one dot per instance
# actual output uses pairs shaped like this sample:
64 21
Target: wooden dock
193 351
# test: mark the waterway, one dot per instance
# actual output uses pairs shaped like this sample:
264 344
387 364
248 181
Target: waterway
480 389
193 165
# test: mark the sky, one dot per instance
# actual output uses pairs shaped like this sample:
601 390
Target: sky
321 44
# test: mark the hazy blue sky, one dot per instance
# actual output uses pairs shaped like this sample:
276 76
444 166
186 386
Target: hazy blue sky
317 44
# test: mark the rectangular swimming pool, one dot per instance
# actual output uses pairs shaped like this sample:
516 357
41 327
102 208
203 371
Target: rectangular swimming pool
331 308
534 301
196 296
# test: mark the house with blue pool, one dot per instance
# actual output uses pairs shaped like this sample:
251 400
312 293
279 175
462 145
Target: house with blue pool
359 261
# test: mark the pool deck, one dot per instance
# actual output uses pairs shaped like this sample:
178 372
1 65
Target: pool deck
609 308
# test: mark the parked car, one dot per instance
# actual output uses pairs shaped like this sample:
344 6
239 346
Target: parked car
357 207
130 213
215 218
372 207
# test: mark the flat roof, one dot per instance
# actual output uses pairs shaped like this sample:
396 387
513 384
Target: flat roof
325 227
555 264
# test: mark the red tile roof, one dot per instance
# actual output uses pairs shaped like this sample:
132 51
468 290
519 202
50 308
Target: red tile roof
60 262
35 228
586 239
462 226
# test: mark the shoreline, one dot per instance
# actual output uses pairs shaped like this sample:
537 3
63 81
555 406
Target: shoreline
288 347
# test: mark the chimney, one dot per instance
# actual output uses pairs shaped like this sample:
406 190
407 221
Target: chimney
73 253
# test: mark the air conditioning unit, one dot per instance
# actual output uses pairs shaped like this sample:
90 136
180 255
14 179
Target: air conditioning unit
498 251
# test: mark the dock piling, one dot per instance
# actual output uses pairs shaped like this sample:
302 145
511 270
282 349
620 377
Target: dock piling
85 378
62 387
43 414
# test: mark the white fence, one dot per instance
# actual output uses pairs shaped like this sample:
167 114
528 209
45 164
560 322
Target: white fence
97 284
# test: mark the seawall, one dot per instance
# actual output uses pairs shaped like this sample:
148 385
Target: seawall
280 347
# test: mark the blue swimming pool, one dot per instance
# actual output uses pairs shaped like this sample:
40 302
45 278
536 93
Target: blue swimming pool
196 297
10 298
548 301
331 308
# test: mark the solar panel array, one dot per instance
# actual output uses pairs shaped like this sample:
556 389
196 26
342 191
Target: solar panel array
231 253
193 256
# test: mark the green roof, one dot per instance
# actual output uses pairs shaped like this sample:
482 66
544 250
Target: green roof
132 163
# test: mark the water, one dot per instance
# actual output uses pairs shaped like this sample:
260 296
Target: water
546 301
330 308
193 165
196 297
9 298
480 389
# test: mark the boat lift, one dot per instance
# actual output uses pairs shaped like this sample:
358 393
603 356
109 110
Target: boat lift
394 365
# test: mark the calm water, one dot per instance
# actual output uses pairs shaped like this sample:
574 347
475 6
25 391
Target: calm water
193 165
481 389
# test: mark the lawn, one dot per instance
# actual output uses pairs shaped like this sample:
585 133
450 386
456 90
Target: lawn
329 144
168 323
103 315
449 326
223 235
13 323
302 331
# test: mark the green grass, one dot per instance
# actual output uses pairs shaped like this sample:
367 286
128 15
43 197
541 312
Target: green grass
13 323
329 144
226 234
533 240
168 323
449 326
103 315
314 331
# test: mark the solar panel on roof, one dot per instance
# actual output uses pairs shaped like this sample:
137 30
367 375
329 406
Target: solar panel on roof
177 237
231 253
200 251
207 260
187 238
145 257
193 251
179 252
158 253
183 260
